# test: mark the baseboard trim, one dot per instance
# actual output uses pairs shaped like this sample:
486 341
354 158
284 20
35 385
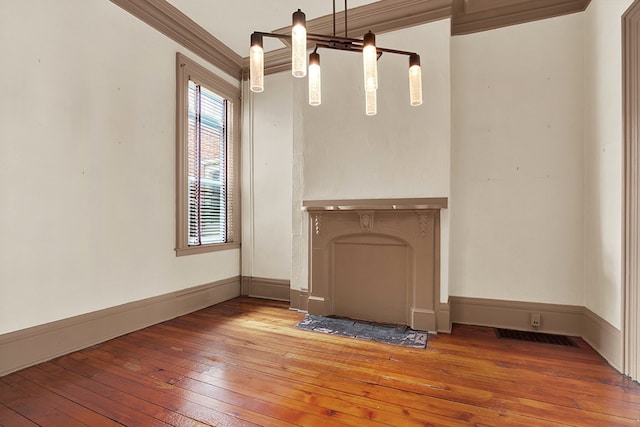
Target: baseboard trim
443 314
260 287
604 338
299 300
27 347
30 346
556 318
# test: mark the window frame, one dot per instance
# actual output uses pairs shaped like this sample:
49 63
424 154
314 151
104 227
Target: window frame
186 70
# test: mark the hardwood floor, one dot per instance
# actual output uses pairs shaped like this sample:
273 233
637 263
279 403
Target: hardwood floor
241 363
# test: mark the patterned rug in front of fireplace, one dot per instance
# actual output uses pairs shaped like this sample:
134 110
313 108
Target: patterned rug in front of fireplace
388 334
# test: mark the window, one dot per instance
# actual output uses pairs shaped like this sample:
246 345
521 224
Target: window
207 117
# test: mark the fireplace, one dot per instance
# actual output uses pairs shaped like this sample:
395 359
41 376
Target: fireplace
376 260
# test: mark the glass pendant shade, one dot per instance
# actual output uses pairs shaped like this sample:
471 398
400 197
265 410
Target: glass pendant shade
314 79
256 63
370 62
372 103
299 45
415 80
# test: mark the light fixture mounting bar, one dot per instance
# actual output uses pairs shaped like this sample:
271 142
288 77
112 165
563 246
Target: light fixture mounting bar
336 43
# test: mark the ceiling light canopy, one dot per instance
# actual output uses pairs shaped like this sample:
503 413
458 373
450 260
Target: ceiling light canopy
299 40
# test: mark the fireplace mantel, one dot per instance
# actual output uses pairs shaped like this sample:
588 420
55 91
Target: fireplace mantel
375 204
376 259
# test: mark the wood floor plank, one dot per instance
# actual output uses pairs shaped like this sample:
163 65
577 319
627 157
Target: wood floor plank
117 411
11 418
68 407
165 392
39 410
123 396
242 363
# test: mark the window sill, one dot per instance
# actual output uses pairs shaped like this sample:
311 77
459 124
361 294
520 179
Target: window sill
194 250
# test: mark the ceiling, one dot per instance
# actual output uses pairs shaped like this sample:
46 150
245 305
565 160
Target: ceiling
232 22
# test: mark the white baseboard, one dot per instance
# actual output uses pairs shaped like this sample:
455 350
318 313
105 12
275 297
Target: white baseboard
30 346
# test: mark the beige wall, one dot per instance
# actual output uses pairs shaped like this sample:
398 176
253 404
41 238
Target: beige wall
87 161
403 151
267 180
603 158
536 163
517 163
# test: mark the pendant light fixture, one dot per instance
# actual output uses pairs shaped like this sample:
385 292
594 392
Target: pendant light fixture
415 80
367 46
314 79
299 45
370 67
370 62
256 63
371 102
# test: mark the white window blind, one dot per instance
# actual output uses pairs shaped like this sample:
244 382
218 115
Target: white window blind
208 167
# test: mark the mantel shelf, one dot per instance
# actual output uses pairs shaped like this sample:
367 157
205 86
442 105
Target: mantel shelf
375 204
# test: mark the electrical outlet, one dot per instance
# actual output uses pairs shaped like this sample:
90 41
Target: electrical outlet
535 320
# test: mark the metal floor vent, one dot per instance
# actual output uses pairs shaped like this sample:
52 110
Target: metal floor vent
535 337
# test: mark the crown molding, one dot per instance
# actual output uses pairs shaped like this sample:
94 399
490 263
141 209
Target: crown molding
380 17
174 24
471 16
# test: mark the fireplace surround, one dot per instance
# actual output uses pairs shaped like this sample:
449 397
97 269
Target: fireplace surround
376 260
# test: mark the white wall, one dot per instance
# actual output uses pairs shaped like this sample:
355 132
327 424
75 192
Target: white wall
603 158
87 164
517 163
267 185
403 151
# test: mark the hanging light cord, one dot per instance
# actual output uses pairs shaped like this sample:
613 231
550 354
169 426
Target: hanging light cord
334 18
345 18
